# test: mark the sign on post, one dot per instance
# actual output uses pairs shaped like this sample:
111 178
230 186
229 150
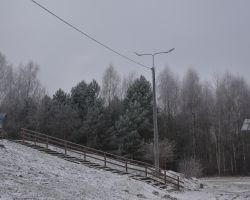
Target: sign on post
3 116
246 125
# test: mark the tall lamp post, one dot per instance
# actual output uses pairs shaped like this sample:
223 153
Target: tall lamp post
156 140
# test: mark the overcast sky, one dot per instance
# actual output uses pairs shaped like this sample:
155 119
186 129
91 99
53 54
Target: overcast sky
208 35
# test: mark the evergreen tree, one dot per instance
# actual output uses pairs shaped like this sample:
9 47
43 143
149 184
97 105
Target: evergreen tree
86 99
62 119
61 97
43 115
112 113
78 98
135 126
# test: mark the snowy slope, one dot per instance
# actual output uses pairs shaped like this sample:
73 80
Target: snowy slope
26 173
189 183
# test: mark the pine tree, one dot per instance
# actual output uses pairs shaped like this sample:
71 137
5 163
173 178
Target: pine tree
135 126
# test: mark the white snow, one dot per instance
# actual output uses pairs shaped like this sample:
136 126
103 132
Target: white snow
26 173
189 183
219 188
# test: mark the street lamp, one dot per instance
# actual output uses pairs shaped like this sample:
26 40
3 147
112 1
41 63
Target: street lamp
156 142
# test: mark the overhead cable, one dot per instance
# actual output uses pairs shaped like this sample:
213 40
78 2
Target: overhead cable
90 37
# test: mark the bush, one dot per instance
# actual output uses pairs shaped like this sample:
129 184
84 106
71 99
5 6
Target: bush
166 152
190 167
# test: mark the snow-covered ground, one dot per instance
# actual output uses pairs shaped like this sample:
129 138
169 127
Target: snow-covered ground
189 183
26 173
220 188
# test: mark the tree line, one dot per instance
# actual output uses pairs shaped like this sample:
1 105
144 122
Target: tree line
197 120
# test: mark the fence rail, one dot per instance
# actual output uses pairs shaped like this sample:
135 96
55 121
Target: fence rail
143 168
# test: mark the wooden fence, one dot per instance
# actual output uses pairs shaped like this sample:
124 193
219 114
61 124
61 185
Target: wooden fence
104 158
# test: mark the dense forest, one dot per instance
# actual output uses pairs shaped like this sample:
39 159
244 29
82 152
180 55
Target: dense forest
198 121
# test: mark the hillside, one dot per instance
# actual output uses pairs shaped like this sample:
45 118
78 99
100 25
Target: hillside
27 173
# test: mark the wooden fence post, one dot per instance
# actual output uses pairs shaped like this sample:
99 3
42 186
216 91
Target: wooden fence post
178 182
35 138
47 142
146 171
84 156
165 177
126 166
22 135
105 160
65 148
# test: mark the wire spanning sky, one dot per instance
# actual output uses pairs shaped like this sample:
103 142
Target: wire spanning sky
208 35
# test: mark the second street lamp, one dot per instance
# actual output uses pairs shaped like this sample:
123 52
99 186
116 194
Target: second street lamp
156 136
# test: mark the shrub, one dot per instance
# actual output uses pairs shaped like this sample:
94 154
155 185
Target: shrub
190 167
166 152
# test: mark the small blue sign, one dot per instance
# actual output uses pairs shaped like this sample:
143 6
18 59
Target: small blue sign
3 117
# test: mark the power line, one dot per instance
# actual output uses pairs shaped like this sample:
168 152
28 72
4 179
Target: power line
90 37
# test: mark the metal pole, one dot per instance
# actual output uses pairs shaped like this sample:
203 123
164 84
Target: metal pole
156 141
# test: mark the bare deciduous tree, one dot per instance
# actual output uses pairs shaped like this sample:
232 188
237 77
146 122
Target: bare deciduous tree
127 82
24 94
190 167
110 84
5 77
191 99
232 104
168 87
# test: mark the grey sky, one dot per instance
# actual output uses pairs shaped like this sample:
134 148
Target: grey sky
210 36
